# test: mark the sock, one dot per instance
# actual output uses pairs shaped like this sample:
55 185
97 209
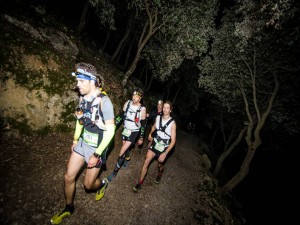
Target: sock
69 205
119 164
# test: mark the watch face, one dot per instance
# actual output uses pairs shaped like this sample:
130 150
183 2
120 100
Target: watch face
97 155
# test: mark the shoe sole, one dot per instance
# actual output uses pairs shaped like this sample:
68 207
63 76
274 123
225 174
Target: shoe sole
57 218
101 191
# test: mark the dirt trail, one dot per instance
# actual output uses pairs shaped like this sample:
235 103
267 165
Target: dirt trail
31 189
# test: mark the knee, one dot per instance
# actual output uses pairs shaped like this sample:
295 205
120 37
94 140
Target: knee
68 178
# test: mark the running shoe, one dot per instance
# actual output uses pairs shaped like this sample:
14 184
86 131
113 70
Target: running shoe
157 180
111 176
100 193
137 187
57 218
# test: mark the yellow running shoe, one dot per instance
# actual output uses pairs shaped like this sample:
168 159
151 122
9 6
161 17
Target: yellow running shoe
100 193
57 218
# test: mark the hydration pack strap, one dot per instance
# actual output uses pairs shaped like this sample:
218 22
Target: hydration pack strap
163 128
136 113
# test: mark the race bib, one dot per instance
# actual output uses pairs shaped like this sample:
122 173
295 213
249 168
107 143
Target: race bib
159 146
126 132
90 138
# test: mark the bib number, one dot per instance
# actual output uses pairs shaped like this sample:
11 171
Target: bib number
90 138
159 146
126 132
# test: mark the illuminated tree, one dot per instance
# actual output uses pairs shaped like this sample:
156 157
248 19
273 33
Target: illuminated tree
249 70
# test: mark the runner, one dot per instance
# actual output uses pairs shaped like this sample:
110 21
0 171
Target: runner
134 128
95 127
163 142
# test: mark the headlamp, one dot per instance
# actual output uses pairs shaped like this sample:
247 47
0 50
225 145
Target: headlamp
81 74
137 93
160 102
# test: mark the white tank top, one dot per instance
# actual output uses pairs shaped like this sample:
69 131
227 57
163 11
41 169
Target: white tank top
129 122
161 134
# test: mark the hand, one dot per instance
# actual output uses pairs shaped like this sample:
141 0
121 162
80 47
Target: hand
93 162
140 141
162 157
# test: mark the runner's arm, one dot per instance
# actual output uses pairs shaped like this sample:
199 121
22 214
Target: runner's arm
108 134
153 128
173 138
78 130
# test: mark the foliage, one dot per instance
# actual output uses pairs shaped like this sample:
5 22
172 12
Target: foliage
279 12
190 27
58 86
32 79
68 114
183 30
184 83
243 51
247 63
105 10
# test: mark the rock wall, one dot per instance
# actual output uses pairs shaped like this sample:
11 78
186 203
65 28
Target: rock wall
35 107
35 90
36 86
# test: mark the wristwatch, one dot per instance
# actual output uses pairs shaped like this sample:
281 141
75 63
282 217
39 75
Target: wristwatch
97 155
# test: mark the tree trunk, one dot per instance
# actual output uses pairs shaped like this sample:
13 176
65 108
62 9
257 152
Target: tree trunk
124 39
106 40
243 172
120 54
150 83
151 27
83 16
227 152
176 94
135 60
253 138
128 52
141 73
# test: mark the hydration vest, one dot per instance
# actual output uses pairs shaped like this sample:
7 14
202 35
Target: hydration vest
163 128
137 117
162 142
91 116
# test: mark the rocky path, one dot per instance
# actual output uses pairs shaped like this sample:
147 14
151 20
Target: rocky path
31 191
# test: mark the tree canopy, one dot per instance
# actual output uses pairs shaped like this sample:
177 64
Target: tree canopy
248 70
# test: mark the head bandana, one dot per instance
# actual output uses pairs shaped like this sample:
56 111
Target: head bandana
81 74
